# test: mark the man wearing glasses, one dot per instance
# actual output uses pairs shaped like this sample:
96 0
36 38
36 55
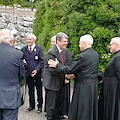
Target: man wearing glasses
109 102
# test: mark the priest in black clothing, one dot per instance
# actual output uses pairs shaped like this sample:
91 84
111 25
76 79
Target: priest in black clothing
109 101
84 105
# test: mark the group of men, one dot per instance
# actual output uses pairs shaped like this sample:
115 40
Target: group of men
58 70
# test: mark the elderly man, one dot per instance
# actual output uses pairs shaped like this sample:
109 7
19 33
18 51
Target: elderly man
11 68
110 107
53 40
84 105
33 59
53 81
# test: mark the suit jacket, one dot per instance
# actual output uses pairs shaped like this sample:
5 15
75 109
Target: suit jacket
34 60
85 67
68 56
53 80
11 68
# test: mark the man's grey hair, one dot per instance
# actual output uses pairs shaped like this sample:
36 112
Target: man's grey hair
61 35
87 38
31 34
116 40
6 35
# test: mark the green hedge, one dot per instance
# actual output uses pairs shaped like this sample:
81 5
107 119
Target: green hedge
100 18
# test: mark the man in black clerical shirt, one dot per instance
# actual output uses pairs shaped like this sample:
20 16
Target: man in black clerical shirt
109 101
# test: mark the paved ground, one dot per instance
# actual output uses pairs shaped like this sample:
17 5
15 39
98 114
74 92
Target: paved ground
32 115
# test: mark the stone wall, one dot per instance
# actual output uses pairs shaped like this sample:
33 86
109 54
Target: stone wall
19 19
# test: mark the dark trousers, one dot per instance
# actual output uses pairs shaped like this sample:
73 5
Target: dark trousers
8 114
32 82
54 104
66 102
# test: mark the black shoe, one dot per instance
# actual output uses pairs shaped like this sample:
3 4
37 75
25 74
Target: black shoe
39 110
30 108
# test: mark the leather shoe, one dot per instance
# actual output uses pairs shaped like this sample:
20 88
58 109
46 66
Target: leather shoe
39 110
30 108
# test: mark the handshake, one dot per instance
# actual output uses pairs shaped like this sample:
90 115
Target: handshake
68 77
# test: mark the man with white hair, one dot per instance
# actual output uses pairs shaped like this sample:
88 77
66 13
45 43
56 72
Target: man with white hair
11 68
33 58
109 102
84 105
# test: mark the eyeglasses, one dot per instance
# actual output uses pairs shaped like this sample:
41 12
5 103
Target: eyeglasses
29 39
111 44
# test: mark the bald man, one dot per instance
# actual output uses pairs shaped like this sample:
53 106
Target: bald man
11 68
109 102
33 58
84 105
53 40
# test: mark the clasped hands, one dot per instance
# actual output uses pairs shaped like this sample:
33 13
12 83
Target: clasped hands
68 76
34 72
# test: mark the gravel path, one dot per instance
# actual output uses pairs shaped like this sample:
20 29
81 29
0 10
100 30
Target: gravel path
33 115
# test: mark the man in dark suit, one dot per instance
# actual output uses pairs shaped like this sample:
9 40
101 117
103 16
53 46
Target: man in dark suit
33 59
53 81
84 105
11 68
66 102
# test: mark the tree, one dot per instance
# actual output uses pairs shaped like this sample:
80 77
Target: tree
100 18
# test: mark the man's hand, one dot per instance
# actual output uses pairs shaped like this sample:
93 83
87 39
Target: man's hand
34 72
69 76
53 63
66 81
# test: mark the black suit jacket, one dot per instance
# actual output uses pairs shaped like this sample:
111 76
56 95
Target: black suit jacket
53 80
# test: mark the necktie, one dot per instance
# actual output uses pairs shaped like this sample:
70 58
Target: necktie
61 54
30 50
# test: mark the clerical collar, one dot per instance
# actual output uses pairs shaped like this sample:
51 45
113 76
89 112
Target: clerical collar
116 51
32 47
58 48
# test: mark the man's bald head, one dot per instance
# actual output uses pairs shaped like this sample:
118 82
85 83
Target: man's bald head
114 44
53 40
116 40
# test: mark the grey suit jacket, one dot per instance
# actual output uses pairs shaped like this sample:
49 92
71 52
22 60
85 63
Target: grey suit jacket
53 80
11 68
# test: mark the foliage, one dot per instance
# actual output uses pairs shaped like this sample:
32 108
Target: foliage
23 3
100 18
10 2
26 4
